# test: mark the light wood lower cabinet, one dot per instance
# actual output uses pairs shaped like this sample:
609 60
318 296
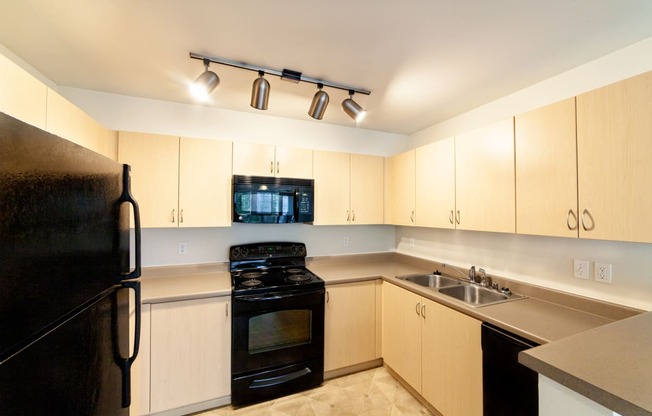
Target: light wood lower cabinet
187 359
351 331
435 349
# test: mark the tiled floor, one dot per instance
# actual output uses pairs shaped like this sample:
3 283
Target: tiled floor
369 393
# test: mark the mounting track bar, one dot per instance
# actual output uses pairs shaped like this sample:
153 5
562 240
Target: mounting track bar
285 73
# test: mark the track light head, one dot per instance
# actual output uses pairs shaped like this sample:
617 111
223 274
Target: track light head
260 92
319 103
353 109
205 83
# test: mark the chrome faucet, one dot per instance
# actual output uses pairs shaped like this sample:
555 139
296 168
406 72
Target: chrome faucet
470 275
483 278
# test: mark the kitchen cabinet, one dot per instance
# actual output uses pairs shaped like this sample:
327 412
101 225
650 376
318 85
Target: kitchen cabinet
435 349
348 188
451 360
435 184
190 352
22 96
268 160
179 182
613 149
546 171
401 186
68 121
484 176
351 333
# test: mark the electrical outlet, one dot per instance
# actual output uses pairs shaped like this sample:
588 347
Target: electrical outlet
412 241
183 247
581 269
602 273
345 241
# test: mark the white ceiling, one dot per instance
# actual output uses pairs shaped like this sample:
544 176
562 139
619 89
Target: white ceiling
424 60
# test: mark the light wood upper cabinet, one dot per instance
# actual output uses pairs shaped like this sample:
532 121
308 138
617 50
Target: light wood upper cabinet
190 352
401 186
546 171
21 95
348 188
68 121
484 175
204 183
435 184
268 160
614 131
350 335
178 182
154 161
332 187
367 189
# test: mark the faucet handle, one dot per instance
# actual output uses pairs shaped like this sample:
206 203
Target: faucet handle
484 281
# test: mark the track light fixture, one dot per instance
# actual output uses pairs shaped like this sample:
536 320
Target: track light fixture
260 92
319 103
205 83
353 109
208 80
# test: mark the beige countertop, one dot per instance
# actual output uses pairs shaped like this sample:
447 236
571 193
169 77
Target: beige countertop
611 365
577 332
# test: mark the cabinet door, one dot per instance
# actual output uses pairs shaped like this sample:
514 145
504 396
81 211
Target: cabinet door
22 96
367 189
435 184
402 333
452 361
293 162
613 150
140 382
253 159
401 186
332 188
350 331
204 183
484 174
154 161
190 352
546 171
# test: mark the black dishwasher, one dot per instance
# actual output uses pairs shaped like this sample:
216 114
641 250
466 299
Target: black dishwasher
509 388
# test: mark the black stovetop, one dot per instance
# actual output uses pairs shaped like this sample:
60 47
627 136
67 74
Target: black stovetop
270 267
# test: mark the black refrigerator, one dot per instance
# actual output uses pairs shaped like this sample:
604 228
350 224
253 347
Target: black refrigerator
65 277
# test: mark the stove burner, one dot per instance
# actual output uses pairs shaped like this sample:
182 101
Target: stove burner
295 270
251 275
251 283
298 278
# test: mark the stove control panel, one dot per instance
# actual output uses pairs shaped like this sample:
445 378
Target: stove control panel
266 251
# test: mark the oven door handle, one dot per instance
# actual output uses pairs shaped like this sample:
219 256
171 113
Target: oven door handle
276 296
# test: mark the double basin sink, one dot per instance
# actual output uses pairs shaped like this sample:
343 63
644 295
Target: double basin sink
471 294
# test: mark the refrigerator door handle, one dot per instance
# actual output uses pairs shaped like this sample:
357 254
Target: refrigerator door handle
126 363
127 197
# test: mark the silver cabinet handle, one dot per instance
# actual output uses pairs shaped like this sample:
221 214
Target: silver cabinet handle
172 218
412 216
227 308
348 215
418 308
278 167
423 311
352 215
181 215
457 216
271 167
328 296
571 214
585 214
450 217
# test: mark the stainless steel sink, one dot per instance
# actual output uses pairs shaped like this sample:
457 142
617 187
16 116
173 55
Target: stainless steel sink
477 296
431 280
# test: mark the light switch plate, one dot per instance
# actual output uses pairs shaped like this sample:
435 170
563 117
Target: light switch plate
581 269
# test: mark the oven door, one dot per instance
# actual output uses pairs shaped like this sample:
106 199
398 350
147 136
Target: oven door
276 329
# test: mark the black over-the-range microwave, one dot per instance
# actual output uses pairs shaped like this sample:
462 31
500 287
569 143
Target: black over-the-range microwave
270 200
